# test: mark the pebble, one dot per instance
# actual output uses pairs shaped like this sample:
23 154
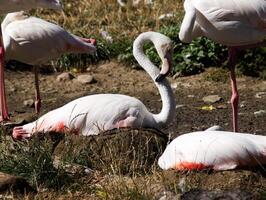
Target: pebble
212 99
28 103
86 79
174 85
66 76
260 95
222 106
260 113
179 106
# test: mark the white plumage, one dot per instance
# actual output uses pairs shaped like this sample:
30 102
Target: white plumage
232 23
210 149
239 24
35 41
91 114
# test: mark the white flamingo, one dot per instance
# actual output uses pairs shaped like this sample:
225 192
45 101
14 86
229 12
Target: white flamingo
213 149
35 41
91 114
7 6
238 24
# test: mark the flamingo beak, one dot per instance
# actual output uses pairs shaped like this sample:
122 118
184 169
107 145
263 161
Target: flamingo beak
166 67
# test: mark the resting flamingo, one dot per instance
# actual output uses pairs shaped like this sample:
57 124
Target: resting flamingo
7 6
238 24
91 114
35 41
214 149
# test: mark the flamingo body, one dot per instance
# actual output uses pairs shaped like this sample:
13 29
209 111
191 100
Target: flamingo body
35 41
232 23
210 149
95 113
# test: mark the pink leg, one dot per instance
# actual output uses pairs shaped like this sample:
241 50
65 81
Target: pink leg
91 41
4 112
234 98
37 91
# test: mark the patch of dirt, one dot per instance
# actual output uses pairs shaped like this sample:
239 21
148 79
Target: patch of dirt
112 77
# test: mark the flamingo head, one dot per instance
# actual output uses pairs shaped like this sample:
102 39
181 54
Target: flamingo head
53 4
165 51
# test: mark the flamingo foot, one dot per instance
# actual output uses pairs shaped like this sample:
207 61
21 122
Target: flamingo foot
90 41
20 134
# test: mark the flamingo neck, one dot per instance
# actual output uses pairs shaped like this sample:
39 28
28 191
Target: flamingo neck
168 102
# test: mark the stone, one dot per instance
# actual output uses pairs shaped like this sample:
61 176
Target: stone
212 99
28 103
260 95
66 76
14 184
86 79
260 113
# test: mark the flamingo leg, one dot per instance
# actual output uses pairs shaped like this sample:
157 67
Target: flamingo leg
37 102
3 106
235 97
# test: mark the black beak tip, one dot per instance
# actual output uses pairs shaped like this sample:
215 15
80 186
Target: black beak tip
160 77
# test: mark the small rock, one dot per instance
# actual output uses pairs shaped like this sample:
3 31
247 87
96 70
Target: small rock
14 183
260 95
86 79
88 69
12 89
223 106
191 96
28 103
179 106
66 76
212 99
166 16
260 113
174 85
243 104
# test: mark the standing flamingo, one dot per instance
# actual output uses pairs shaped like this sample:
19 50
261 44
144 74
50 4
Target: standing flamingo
238 24
7 6
91 114
35 41
212 149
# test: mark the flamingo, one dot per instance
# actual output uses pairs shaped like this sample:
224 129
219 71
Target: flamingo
90 114
7 6
214 149
238 24
35 41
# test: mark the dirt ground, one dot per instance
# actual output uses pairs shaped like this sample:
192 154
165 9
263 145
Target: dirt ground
112 77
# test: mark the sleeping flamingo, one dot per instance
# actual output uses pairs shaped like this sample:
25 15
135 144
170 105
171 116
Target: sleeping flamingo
7 6
213 149
91 114
35 41
238 24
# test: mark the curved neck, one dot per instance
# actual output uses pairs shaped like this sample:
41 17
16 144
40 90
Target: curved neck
168 102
